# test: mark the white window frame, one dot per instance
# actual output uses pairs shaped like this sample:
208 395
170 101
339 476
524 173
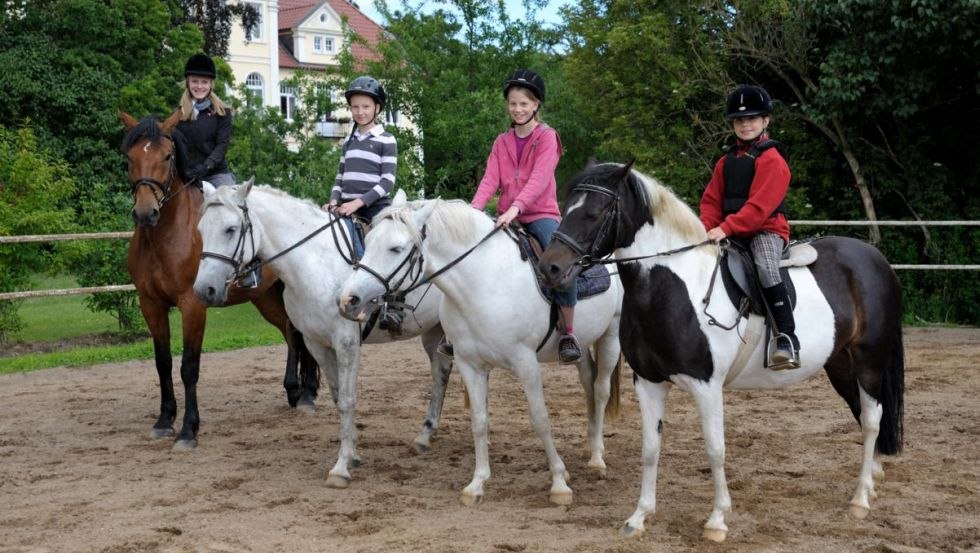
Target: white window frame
324 44
259 34
287 96
256 87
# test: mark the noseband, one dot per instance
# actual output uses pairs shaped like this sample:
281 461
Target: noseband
392 299
161 191
237 257
610 221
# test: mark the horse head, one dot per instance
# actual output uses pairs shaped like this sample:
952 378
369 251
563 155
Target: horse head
604 206
392 261
228 240
152 157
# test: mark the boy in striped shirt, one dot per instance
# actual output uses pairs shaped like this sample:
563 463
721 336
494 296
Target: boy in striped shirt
366 174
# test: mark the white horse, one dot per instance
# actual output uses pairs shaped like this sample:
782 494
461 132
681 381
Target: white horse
495 315
848 313
241 224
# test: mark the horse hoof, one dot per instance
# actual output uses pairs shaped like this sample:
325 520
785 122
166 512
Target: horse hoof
859 512
714 534
561 498
185 445
338 482
471 500
600 470
307 407
420 448
632 531
158 433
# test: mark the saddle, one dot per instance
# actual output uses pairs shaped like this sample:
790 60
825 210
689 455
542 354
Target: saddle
590 282
742 282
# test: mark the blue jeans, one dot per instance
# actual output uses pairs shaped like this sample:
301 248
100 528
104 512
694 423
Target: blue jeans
367 212
543 229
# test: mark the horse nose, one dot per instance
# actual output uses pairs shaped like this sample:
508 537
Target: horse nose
349 306
551 271
144 219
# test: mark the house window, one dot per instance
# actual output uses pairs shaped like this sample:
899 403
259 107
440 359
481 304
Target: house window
257 33
254 85
391 116
322 44
287 101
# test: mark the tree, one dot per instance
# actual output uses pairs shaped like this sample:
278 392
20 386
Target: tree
35 192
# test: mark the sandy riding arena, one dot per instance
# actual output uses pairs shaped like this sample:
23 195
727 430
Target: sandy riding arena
79 472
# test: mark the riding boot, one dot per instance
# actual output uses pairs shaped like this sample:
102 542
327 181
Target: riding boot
786 353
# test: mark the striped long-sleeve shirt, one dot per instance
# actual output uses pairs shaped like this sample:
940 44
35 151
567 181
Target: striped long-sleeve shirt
367 167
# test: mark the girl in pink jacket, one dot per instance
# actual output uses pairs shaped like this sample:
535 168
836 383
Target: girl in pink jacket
522 166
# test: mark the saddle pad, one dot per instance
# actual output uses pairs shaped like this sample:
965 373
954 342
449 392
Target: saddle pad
590 282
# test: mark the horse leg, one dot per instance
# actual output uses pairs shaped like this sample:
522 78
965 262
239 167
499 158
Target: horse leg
606 361
871 412
587 377
652 397
530 376
440 366
710 405
348 353
271 307
475 380
193 316
159 325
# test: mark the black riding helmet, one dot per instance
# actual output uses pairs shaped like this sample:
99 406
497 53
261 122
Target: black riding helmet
369 86
201 65
748 100
528 79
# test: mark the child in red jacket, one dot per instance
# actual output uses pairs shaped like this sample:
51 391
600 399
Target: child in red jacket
745 199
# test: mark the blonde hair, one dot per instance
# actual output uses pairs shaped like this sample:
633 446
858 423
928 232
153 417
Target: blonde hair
187 104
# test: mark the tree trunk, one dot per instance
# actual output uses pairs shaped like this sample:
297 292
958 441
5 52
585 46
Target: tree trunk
874 233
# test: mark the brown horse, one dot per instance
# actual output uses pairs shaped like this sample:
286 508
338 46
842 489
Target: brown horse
163 260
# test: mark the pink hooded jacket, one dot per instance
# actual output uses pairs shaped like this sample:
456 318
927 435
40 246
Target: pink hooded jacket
529 184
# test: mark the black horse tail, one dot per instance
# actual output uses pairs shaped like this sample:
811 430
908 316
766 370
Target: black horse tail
893 399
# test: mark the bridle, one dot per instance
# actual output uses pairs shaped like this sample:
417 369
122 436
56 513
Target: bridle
610 221
410 269
162 191
243 269
237 258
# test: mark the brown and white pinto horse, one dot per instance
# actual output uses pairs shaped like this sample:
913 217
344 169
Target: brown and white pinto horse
163 260
849 316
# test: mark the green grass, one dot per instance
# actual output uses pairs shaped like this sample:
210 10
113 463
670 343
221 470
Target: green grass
64 318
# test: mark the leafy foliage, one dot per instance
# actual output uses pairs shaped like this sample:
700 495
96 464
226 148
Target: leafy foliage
35 192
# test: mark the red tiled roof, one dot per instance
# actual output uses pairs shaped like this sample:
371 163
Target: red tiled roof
294 12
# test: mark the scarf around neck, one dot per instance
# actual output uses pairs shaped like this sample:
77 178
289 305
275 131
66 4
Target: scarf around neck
201 105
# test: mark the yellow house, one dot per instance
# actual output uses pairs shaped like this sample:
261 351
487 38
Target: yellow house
299 34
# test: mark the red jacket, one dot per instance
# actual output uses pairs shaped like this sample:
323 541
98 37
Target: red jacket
529 184
769 186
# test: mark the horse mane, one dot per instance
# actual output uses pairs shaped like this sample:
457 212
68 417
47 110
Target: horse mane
668 210
223 196
452 220
148 127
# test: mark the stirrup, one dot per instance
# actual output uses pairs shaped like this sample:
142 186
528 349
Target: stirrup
776 358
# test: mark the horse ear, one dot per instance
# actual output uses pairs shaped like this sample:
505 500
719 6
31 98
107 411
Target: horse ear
171 121
208 188
590 163
400 198
627 168
421 214
247 185
128 120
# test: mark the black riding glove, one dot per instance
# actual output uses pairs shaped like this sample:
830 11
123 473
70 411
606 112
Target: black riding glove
197 173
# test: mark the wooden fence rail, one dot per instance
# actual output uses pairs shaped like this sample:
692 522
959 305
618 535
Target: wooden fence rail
128 234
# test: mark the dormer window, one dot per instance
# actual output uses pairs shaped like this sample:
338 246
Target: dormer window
323 44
